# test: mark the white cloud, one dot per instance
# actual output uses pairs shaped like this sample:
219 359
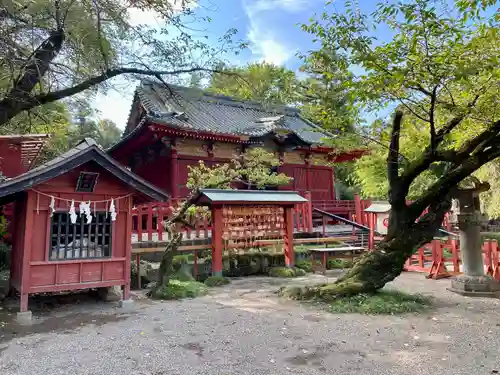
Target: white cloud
287 5
268 48
154 19
263 43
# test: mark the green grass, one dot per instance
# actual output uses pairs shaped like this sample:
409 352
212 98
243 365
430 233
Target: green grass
385 302
180 289
212 281
286 272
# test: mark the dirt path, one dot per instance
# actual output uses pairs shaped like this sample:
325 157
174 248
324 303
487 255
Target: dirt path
244 329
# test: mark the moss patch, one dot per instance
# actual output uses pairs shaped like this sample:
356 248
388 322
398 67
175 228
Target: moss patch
384 302
180 289
286 272
212 281
339 264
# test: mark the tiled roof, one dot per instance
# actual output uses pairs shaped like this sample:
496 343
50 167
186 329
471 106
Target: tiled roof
198 110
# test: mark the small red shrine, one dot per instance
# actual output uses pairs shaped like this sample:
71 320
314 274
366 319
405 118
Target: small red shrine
18 153
172 128
241 218
73 222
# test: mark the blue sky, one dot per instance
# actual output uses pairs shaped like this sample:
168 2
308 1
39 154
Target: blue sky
270 26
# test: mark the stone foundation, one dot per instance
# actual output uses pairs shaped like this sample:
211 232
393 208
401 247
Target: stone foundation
110 294
475 286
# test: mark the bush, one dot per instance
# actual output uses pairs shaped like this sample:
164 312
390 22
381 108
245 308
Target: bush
339 264
305 265
180 289
4 256
286 272
183 274
212 281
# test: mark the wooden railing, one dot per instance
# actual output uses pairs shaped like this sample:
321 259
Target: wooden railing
440 259
147 221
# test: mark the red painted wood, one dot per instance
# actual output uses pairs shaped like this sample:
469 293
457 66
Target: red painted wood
127 249
32 271
27 250
357 205
67 287
149 222
288 238
174 172
217 242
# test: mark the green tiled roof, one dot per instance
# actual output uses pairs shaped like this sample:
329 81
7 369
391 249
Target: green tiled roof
264 196
197 110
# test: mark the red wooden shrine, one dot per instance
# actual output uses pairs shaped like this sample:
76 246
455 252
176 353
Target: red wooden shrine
240 218
171 129
50 251
18 154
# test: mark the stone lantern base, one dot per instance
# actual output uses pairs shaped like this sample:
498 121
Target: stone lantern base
475 286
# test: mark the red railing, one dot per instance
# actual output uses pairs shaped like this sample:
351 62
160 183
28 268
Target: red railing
341 206
147 221
440 259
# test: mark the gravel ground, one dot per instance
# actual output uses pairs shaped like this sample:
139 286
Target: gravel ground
244 329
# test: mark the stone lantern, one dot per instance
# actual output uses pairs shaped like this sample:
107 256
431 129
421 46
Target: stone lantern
466 215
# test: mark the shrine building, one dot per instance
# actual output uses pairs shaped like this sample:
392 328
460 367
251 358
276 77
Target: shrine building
170 129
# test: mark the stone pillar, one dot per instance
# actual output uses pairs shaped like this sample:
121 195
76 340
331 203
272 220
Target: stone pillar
467 216
469 226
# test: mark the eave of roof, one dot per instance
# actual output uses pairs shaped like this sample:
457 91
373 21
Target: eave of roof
214 196
84 152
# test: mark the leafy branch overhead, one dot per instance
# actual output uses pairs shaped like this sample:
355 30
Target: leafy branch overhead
252 168
442 74
439 74
51 50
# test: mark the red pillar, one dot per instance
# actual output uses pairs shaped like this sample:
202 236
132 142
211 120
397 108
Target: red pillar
309 219
174 188
357 208
288 238
217 242
26 258
128 253
371 234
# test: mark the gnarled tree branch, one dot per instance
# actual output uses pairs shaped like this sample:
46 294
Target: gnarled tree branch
393 159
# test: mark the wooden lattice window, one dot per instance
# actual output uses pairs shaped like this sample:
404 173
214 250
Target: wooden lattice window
80 240
86 182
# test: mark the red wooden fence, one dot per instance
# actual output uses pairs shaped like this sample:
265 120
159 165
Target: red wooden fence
147 221
440 259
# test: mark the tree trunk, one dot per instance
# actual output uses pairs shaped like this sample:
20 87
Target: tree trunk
376 268
166 266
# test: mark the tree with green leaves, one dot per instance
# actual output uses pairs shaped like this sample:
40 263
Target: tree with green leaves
251 168
320 98
51 50
318 95
441 68
260 82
